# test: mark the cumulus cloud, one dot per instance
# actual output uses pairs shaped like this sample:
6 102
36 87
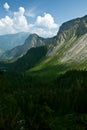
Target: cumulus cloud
43 32
21 10
46 21
6 6
6 25
17 23
19 20
43 25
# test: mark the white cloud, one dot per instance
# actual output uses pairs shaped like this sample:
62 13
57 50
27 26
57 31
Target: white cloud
17 23
21 10
46 21
43 26
6 21
43 32
19 20
6 6
6 25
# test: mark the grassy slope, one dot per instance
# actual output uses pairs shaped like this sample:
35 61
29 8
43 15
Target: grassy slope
53 65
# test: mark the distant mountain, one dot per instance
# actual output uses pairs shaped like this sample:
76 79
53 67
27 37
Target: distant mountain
10 41
32 41
67 50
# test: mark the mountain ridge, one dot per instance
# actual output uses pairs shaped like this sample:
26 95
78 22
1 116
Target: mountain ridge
33 40
67 47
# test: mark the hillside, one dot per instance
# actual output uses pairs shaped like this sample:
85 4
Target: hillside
33 40
29 102
68 49
65 51
46 87
33 56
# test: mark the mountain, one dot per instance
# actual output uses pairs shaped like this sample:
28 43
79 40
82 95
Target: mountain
10 41
69 31
46 87
67 50
32 41
32 57
73 40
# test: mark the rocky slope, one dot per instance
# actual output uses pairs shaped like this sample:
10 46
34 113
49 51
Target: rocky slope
32 41
68 46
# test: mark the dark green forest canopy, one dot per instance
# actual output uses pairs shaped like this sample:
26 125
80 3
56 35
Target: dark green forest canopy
29 102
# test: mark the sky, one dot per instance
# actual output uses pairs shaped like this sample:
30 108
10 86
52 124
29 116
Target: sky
43 17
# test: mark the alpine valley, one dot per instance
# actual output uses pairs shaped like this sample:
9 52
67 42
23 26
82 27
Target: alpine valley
43 81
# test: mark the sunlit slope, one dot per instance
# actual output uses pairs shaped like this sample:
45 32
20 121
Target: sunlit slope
68 51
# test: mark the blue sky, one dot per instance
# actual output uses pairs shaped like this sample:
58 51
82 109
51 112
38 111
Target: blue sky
38 16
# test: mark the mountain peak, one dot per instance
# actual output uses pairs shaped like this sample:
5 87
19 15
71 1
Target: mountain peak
68 32
33 35
73 28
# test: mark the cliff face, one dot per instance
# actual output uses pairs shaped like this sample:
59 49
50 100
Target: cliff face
69 45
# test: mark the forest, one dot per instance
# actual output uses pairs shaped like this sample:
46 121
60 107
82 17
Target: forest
27 102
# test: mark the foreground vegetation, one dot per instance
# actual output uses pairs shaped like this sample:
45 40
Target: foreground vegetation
30 103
